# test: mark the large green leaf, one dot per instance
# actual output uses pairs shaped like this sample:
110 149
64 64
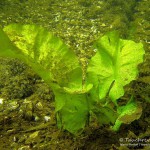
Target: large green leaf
57 65
72 110
115 62
45 53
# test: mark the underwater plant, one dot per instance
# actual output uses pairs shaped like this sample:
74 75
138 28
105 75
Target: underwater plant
112 67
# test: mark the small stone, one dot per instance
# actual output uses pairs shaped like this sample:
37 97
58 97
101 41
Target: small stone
47 118
39 106
1 100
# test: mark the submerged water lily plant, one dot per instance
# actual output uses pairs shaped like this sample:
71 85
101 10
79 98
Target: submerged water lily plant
112 67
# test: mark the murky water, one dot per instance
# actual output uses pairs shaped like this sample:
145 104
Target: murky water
27 104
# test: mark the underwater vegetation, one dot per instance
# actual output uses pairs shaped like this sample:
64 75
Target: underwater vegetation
79 94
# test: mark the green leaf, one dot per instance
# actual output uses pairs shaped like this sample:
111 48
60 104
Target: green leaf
57 65
104 114
128 113
45 53
116 61
72 110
